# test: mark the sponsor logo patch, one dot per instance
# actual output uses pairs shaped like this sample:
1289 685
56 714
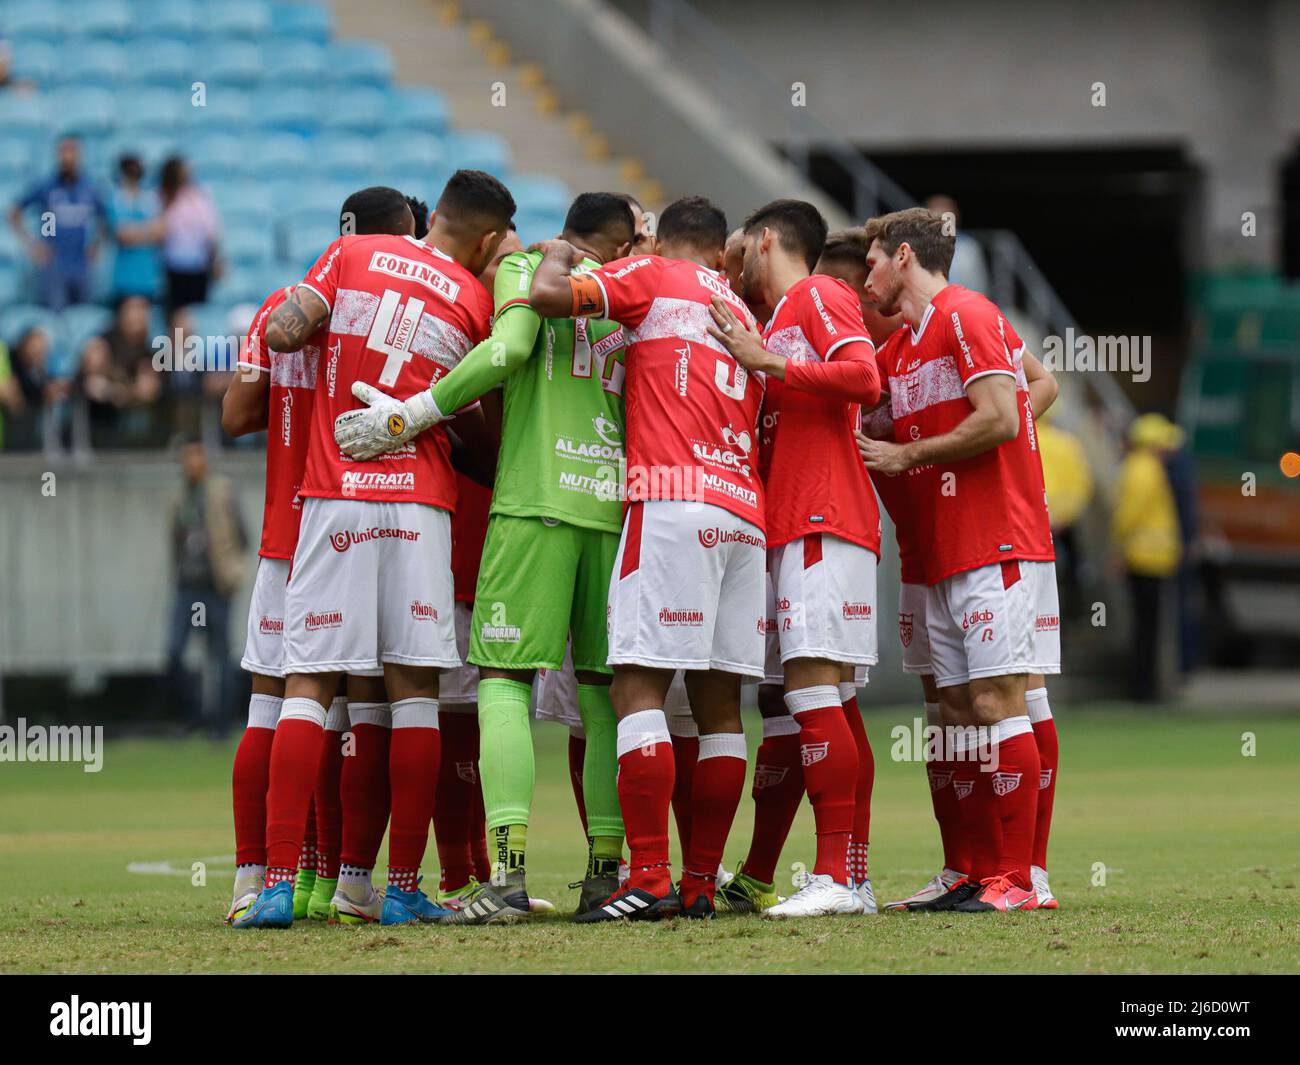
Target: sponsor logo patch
423 611
271 626
1005 783
674 618
324 619
905 629
812 753
767 776
341 541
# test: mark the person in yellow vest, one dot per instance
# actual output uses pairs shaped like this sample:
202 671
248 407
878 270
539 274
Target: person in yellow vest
1146 531
1067 477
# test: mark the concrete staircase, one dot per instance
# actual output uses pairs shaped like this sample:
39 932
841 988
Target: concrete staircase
433 44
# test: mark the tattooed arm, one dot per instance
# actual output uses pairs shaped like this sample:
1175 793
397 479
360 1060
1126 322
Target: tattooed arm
296 319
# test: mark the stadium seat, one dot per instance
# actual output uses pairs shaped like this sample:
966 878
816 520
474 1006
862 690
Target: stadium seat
32 19
227 110
99 18
282 153
99 63
249 19
80 323
346 159
306 242
360 110
404 150
16 319
220 156
246 245
180 18
539 193
538 225
152 109
37 61
296 62
289 110
250 200
153 149
233 63
23 116
352 63
478 150
11 284
82 111
161 61
419 109
303 22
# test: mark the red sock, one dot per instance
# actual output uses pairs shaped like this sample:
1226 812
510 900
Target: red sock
830 773
248 781
719 783
686 755
478 836
777 792
413 757
939 770
295 754
364 788
970 792
453 814
328 803
866 782
645 791
1048 759
307 852
1015 797
577 752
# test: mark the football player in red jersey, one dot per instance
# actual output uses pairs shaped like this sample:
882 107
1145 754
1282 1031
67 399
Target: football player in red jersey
372 583
284 383
961 407
823 528
688 586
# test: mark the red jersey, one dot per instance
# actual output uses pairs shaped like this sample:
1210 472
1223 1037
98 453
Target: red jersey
468 531
402 314
812 472
290 401
992 507
692 410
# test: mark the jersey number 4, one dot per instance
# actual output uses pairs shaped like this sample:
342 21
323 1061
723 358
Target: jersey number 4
391 333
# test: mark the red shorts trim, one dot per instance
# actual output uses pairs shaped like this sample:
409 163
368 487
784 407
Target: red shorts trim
632 543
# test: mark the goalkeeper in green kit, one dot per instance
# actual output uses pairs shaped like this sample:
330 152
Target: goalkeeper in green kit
552 538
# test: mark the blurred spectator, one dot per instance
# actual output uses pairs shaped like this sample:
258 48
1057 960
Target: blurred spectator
1181 470
64 249
37 390
11 396
105 388
969 267
191 230
209 545
128 338
7 79
1069 483
135 220
1145 527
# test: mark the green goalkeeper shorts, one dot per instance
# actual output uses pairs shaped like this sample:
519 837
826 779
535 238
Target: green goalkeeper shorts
540 582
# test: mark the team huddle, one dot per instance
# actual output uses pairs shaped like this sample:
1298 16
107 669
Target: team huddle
582 482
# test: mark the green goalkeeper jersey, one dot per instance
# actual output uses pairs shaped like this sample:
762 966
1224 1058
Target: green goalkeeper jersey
562 421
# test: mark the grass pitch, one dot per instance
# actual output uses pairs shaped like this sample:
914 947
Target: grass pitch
1172 851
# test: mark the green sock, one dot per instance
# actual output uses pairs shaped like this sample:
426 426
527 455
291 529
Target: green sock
600 764
507 844
604 853
505 761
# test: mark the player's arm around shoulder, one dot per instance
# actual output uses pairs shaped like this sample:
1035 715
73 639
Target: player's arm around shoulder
554 292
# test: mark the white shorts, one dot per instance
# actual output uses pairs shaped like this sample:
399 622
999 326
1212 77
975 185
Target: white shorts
458 688
985 622
773 673
264 648
555 696
371 583
687 590
825 592
912 633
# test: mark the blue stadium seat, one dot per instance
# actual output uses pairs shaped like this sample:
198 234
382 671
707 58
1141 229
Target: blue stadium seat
152 148
99 63
306 242
303 22
360 110
314 201
478 150
32 19
278 154
99 18
151 109
37 61
359 63
23 115
249 19
250 201
346 159
180 18
295 62
232 63
11 284
405 150
225 110
535 226
286 109
419 109
247 245
15 320
540 194
219 156
11 249
81 322
83 111
161 61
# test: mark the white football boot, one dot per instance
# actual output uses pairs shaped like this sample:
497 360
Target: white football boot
1046 900
246 890
868 896
344 909
819 897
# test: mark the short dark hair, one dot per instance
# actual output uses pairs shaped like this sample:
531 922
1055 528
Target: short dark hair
920 229
630 200
420 212
695 221
475 201
600 212
377 209
848 246
799 226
